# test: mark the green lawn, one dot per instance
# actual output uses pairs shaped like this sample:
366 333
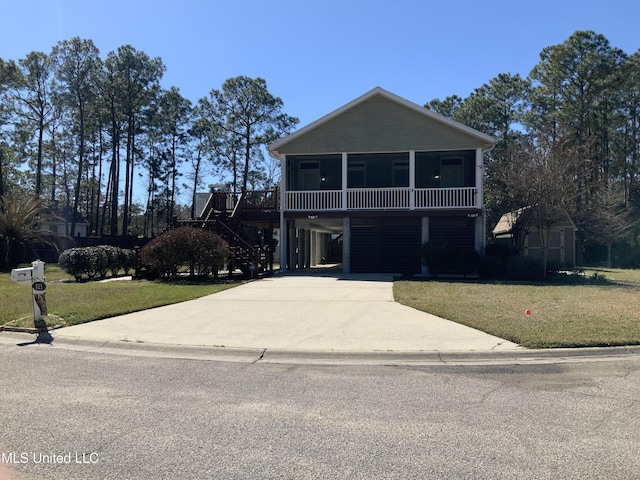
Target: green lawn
590 312
83 302
572 313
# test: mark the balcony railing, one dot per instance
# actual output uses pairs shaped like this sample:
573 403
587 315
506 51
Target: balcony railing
382 199
459 197
314 200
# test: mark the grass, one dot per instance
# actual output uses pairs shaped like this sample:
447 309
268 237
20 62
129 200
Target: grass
70 303
574 312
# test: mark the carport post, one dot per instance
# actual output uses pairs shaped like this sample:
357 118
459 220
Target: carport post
346 245
291 257
307 249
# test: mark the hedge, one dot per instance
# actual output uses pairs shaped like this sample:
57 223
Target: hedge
96 262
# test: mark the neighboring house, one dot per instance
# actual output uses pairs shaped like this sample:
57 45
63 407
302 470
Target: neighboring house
387 175
562 238
60 222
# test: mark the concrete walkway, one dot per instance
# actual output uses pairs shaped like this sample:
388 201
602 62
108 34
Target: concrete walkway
316 312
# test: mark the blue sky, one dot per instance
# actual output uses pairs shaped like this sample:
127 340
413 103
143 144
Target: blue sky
317 56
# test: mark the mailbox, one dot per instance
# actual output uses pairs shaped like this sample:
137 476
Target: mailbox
35 276
21 275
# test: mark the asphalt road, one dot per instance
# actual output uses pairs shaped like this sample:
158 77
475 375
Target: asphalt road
167 418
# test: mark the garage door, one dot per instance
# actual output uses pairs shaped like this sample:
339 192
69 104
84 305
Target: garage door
386 245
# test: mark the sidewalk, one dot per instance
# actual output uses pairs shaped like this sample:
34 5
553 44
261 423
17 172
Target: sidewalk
317 312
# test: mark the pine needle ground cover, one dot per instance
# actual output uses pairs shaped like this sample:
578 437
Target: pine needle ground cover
570 314
71 303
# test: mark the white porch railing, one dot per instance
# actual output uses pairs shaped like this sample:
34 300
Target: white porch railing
313 200
458 197
382 199
377 198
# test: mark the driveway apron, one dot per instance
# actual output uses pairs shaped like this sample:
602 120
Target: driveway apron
330 312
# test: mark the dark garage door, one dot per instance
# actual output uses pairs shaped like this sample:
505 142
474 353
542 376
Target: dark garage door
386 245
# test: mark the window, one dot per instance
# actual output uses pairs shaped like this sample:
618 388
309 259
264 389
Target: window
401 173
313 172
309 178
445 169
356 175
378 170
451 172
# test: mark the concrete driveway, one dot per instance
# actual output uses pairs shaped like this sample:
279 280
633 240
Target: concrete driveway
314 312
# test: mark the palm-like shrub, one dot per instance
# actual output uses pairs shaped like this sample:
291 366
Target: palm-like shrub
19 216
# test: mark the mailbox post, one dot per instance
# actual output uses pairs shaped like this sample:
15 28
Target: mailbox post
35 276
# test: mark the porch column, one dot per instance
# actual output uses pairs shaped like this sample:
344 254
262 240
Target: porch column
302 254
316 242
345 172
284 224
293 246
424 239
313 247
479 180
346 245
283 237
307 249
283 183
412 180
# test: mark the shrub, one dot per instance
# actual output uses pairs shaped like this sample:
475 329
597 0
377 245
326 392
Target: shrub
524 269
440 258
435 256
201 251
92 262
75 261
493 263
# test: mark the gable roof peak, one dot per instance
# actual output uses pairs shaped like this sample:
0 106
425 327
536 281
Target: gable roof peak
379 91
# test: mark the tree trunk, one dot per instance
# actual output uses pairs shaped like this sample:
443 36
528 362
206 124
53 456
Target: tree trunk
115 170
76 198
39 160
247 157
196 174
1 173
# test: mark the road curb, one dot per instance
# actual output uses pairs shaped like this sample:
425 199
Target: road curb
311 357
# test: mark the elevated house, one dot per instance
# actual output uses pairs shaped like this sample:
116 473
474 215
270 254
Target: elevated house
367 184
385 175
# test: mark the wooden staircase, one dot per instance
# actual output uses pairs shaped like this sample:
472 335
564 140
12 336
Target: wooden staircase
246 254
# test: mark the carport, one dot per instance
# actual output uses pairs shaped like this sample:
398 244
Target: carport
363 243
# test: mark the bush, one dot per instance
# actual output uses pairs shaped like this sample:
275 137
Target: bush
92 262
493 264
75 261
440 258
201 251
524 269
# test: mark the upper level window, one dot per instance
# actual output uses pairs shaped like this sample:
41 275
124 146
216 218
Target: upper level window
356 175
378 170
451 172
401 173
314 172
445 169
